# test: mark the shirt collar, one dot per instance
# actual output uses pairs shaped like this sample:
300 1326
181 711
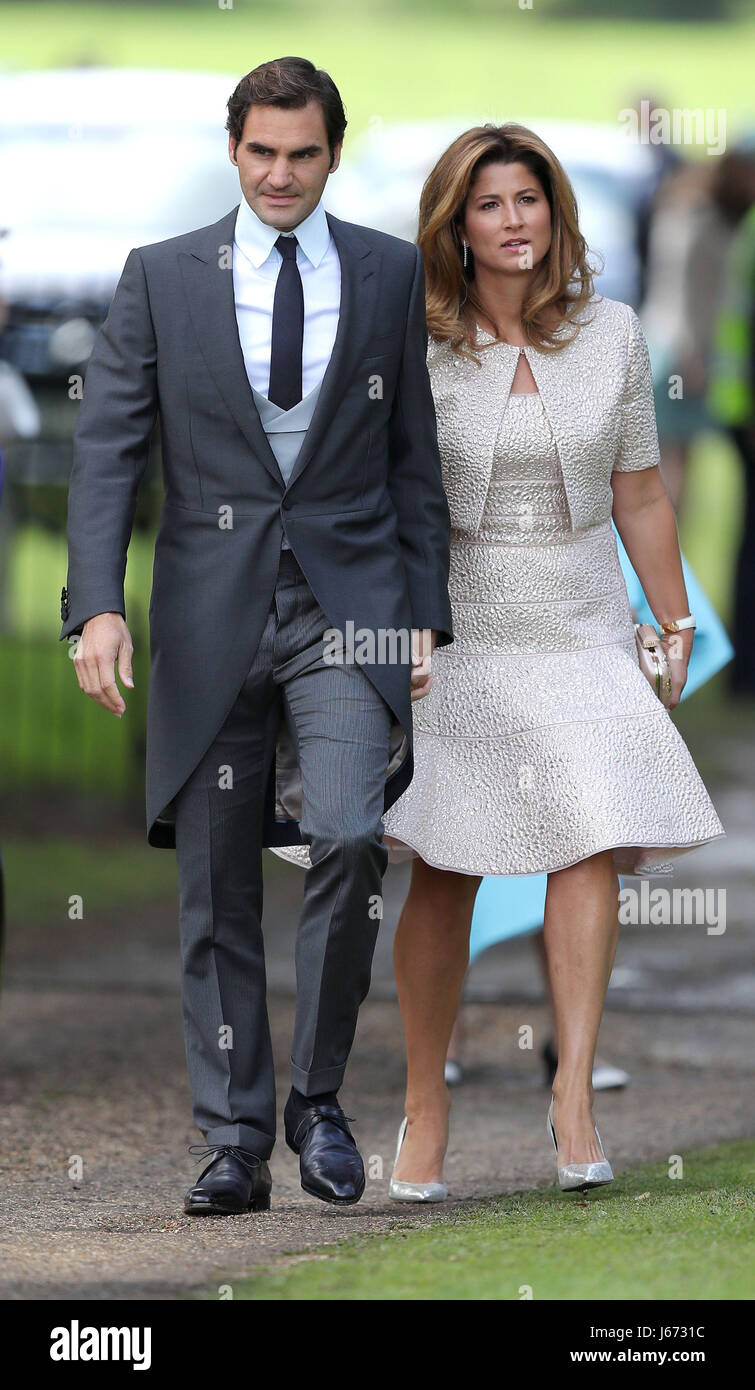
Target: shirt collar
256 238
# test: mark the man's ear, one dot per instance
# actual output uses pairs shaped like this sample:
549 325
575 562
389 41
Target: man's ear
336 159
232 148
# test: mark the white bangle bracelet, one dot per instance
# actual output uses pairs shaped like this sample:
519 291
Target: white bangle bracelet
679 624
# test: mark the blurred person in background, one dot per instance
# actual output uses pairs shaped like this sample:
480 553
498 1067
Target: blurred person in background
665 160
538 747
695 216
19 414
732 403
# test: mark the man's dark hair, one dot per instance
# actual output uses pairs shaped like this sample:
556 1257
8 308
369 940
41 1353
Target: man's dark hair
287 82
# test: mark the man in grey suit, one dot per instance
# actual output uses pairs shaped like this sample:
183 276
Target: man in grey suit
284 351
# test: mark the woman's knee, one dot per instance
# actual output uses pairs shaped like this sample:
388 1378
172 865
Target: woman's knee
443 891
596 866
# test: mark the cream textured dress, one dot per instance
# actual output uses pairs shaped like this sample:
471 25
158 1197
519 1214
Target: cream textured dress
541 742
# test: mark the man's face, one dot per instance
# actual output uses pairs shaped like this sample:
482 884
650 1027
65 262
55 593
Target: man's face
283 161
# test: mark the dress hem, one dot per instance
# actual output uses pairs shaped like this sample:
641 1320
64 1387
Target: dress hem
634 872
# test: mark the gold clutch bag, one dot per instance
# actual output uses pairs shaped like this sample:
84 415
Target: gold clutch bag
653 660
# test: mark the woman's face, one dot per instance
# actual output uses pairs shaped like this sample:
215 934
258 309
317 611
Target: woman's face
507 219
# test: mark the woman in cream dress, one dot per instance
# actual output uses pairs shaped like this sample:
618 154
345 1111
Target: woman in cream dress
540 747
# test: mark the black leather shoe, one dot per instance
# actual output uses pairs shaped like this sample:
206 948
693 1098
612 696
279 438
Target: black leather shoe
234 1181
330 1163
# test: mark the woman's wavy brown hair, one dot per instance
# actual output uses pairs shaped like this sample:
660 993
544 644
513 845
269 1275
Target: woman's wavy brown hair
563 279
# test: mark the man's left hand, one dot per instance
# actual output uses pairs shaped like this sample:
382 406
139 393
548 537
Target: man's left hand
423 641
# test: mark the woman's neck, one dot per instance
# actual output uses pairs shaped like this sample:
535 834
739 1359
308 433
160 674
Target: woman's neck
501 299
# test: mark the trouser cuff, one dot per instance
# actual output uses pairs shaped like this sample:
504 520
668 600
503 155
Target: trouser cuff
244 1137
311 1083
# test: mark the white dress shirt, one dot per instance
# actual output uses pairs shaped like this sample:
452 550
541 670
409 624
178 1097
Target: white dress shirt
256 263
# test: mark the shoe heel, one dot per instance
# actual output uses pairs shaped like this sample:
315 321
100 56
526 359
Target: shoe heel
260 1203
400 1191
579 1177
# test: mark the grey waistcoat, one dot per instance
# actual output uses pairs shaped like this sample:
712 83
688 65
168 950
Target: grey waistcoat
285 430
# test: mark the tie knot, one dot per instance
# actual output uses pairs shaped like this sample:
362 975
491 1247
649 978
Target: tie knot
287 246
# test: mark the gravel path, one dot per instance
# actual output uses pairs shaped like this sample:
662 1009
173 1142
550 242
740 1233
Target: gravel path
93 1068
101 1076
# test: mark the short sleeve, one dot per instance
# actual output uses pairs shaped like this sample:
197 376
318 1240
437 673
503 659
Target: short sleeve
638 434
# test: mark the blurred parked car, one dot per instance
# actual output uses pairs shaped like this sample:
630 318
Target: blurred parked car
94 162
381 182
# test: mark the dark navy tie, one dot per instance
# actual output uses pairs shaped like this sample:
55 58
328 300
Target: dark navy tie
288 329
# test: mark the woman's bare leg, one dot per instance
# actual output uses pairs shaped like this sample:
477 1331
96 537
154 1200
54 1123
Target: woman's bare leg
538 941
581 931
456 1040
430 956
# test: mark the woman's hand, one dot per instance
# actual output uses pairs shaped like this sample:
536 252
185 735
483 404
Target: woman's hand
646 523
678 649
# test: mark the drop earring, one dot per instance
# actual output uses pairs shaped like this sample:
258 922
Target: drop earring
466 249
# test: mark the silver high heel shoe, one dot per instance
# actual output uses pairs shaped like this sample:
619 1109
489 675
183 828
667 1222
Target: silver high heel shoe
414 1191
577 1177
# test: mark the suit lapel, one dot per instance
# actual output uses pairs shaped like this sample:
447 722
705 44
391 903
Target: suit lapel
359 285
207 273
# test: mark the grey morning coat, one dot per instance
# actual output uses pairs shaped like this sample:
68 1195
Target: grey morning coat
364 510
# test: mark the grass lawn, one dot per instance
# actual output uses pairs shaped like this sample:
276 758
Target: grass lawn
120 870
52 734
413 61
41 874
646 1237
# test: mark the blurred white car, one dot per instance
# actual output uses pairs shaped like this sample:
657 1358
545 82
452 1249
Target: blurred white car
382 180
94 162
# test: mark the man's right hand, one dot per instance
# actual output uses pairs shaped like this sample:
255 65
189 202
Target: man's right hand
104 640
